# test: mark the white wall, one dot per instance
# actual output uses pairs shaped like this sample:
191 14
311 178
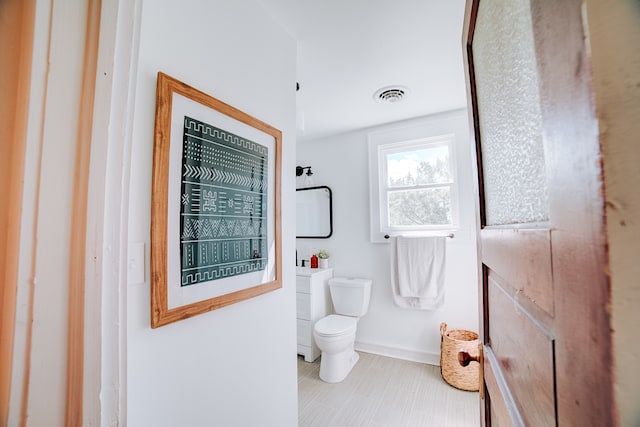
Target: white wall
236 365
341 162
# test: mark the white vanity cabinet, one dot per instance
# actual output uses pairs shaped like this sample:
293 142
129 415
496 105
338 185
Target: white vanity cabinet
313 302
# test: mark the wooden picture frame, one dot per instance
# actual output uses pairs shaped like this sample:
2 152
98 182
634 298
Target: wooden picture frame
215 204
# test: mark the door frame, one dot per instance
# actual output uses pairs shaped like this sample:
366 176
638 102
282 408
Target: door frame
15 54
95 374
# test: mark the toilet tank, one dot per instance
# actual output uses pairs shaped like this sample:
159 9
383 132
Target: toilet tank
350 296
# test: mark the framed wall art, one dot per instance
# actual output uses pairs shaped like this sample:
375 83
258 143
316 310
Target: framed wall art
215 204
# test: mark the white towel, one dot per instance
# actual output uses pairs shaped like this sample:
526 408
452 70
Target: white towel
417 271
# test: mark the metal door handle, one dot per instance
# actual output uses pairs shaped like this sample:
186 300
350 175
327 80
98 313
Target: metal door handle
465 358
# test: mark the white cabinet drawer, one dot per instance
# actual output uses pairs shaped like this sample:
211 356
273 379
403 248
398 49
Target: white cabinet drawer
303 284
312 303
304 332
303 306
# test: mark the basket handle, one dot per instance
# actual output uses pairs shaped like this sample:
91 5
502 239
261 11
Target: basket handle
443 329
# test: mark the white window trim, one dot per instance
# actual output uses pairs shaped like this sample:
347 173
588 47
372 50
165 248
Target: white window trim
446 128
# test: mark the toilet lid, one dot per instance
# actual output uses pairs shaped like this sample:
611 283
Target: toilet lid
335 324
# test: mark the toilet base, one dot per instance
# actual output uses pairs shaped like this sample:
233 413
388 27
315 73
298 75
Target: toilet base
335 367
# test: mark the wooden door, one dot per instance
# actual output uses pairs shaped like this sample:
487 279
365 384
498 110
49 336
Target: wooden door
545 325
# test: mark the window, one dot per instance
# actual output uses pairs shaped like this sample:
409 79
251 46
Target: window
415 186
413 183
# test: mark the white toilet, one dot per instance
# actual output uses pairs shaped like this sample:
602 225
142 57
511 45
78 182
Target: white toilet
336 333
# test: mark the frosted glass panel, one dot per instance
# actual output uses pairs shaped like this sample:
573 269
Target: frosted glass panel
509 114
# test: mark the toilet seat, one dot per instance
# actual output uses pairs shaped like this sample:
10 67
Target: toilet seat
336 324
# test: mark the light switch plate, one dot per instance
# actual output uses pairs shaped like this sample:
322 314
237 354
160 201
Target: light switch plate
135 263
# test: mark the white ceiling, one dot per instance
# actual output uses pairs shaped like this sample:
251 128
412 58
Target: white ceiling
348 49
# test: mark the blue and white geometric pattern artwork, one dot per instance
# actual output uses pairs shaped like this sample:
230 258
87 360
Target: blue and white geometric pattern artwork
223 208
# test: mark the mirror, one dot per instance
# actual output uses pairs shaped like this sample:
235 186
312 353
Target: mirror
314 218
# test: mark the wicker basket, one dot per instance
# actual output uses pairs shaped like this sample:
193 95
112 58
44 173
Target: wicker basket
452 342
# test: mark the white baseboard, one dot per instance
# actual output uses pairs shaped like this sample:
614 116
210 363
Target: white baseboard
399 353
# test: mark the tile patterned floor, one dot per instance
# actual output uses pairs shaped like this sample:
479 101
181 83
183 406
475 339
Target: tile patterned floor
383 392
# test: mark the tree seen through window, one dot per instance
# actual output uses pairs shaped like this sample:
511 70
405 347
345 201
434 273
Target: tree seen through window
419 192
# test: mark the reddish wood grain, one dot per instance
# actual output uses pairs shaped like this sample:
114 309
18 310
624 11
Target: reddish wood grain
562 269
584 377
499 403
525 356
523 258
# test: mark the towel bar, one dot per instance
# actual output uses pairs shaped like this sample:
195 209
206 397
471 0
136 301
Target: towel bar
450 235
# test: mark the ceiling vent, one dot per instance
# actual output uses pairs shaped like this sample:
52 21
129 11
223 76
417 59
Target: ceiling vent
391 94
